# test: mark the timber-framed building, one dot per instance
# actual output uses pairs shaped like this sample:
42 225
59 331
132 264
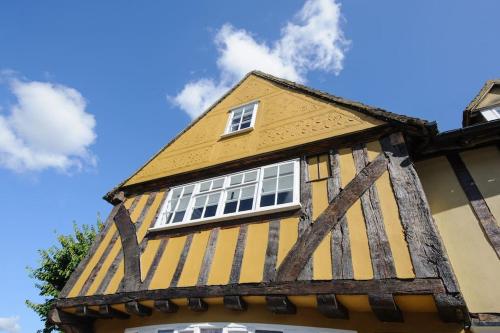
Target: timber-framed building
286 209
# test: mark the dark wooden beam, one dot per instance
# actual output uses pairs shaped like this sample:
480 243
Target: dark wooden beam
479 206
303 249
107 311
450 308
280 304
207 257
426 251
305 217
348 287
85 311
235 303
380 250
234 277
340 247
165 306
197 304
272 251
182 261
330 307
384 307
70 323
138 309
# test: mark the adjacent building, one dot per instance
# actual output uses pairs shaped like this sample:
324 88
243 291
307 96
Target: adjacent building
286 209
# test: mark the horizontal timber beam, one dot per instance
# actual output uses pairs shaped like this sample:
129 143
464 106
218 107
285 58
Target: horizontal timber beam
339 287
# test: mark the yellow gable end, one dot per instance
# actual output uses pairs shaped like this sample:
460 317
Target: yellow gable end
284 119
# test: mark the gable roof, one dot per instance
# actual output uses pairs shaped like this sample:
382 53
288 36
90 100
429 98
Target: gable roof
471 107
418 125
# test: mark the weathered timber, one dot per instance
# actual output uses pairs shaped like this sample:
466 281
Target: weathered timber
384 307
479 206
280 304
207 258
107 311
238 255
485 319
113 268
272 251
118 198
380 250
93 273
138 309
424 243
297 288
156 261
311 148
305 218
450 308
166 306
182 261
70 323
303 249
196 304
130 250
235 303
330 307
340 247
85 311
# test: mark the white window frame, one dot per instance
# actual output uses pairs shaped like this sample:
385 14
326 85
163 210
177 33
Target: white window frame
227 130
491 114
256 210
233 328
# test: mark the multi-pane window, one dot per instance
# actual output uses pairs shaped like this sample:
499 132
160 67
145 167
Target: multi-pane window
241 118
243 193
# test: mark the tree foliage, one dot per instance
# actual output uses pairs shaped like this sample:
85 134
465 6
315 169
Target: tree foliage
56 265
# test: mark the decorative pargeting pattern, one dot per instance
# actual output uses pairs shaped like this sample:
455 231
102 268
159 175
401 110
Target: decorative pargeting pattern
284 119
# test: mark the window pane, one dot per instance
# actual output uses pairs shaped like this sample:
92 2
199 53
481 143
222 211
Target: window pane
285 183
217 183
286 168
236 179
247 116
234 127
178 216
171 205
285 197
183 203
250 176
205 186
233 195
200 201
230 207
269 185
211 330
210 211
213 198
270 172
188 190
196 213
176 193
165 331
267 200
237 113
246 204
245 125
247 192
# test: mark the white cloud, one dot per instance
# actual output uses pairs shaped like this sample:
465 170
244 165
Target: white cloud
47 127
313 40
10 324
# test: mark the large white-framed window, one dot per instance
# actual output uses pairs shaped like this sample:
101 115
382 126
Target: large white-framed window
491 114
241 119
270 188
220 327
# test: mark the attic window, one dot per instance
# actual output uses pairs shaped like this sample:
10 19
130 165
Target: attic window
252 192
241 119
491 114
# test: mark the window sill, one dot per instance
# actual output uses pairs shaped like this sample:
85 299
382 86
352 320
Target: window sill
245 130
264 211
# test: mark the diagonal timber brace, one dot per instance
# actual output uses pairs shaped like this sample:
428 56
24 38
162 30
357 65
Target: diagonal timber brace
303 249
131 250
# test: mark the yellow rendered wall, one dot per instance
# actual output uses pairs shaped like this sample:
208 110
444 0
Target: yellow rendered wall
284 119
306 316
474 261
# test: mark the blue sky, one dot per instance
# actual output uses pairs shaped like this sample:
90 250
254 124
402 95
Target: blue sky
90 90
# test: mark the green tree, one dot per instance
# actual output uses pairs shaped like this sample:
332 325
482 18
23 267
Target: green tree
56 265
